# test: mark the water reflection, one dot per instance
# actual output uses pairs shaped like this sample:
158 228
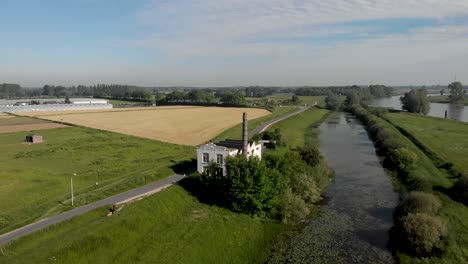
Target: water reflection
454 111
353 224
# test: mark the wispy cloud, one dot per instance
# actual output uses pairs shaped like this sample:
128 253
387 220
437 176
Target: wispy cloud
281 42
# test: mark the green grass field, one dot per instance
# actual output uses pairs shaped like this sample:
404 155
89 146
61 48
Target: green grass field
170 227
35 179
445 138
301 129
443 99
236 131
426 174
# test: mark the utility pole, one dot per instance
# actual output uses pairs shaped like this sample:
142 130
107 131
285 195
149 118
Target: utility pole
71 187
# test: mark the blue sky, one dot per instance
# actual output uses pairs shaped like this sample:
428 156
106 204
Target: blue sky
233 42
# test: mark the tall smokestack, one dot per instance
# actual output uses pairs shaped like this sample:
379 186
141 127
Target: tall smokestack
245 135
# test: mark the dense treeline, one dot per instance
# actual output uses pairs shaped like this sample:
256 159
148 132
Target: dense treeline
376 91
354 95
418 229
131 91
10 91
284 185
201 96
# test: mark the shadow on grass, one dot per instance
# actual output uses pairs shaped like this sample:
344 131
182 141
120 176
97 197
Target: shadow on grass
184 167
198 188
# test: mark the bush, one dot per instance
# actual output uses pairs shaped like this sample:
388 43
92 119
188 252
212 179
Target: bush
379 111
305 187
423 234
460 189
416 180
390 143
421 202
401 158
311 155
293 209
383 134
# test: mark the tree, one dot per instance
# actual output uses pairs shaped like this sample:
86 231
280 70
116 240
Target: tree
233 98
333 101
415 101
252 187
311 155
352 98
295 99
380 91
457 92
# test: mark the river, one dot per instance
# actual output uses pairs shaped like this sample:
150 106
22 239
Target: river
457 112
352 225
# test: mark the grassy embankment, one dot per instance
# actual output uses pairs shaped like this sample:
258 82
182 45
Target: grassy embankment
235 132
302 128
170 227
424 175
442 141
35 179
443 99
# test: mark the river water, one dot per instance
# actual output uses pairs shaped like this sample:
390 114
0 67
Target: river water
353 224
457 112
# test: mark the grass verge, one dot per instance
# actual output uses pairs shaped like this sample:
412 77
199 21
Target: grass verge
423 175
302 128
444 141
235 132
171 227
35 179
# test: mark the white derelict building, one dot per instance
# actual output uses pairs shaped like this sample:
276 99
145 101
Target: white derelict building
218 152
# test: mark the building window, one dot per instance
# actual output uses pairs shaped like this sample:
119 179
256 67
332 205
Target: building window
219 159
206 157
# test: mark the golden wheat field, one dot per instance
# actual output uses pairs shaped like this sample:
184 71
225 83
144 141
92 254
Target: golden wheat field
180 125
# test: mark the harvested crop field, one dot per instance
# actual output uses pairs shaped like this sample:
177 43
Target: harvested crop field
18 128
180 125
10 123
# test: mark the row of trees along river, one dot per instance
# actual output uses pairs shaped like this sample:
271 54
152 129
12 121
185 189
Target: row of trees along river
353 223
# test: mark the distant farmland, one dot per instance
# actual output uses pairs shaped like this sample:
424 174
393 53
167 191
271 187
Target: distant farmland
10 123
180 125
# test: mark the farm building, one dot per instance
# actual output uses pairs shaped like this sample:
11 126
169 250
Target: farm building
32 138
218 152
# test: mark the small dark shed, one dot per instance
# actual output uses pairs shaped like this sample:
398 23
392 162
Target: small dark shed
31 138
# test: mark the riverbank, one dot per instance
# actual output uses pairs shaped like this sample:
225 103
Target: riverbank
422 174
353 222
441 99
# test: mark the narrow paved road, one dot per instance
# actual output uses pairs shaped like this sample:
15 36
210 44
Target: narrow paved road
122 197
266 125
119 198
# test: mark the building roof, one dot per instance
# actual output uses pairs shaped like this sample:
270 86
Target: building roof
231 143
